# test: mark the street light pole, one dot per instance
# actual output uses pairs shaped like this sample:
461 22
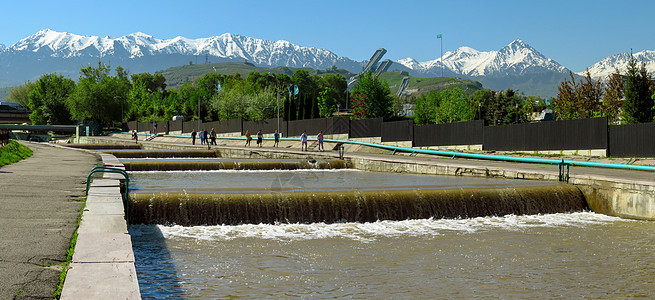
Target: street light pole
277 98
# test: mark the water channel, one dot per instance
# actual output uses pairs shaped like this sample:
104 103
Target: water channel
562 255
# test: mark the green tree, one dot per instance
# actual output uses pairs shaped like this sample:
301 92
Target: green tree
327 104
379 101
20 94
100 96
577 100
454 106
425 108
637 107
611 106
481 99
48 100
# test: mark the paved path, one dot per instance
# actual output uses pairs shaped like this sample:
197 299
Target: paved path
39 208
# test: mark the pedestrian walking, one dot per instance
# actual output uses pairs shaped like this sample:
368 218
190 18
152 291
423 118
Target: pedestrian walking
205 134
135 136
248 138
213 136
303 141
319 137
260 138
193 137
276 136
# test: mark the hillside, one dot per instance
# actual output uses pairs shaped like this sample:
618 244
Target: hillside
177 76
421 85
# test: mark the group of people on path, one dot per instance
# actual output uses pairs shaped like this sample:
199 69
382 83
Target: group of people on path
303 141
208 137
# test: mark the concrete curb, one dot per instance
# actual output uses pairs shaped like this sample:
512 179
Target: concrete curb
103 262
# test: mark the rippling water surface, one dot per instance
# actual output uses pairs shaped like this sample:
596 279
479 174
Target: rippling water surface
577 255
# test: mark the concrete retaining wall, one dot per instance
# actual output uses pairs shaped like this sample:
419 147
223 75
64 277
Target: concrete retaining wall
103 261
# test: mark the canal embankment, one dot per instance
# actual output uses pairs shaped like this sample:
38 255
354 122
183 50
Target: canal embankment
616 192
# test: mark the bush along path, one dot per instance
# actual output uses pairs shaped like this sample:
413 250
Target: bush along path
13 152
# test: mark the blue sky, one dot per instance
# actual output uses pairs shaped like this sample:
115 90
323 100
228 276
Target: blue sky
574 33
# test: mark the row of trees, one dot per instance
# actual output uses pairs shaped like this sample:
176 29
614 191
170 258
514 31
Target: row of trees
627 99
453 105
112 97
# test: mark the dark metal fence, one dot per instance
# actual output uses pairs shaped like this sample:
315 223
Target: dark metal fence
189 126
632 140
175 125
312 126
398 131
145 126
577 134
452 134
131 125
337 125
266 126
366 128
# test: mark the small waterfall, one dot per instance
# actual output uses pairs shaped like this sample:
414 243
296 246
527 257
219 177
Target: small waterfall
233 165
104 146
164 154
351 206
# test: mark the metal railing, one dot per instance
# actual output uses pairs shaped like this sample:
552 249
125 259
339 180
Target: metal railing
563 164
126 195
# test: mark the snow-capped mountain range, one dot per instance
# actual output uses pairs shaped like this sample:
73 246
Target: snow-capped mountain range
517 58
517 65
602 69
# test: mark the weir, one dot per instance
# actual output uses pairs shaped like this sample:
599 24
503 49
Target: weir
234 165
163 154
350 206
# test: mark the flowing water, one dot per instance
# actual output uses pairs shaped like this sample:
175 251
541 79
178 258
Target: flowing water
563 255
574 255
245 181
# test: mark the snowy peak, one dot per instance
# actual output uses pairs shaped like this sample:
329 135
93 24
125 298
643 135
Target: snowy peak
231 46
517 58
604 68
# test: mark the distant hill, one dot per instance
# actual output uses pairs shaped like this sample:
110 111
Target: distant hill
177 76
422 85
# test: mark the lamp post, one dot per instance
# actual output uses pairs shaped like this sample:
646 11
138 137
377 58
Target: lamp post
277 98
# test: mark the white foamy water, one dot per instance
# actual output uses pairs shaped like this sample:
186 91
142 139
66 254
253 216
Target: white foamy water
372 231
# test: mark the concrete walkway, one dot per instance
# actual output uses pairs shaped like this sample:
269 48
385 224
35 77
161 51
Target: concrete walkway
39 207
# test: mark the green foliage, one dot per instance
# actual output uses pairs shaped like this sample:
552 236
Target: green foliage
638 104
425 108
506 107
379 102
48 100
100 96
578 100
445 106
612 100
327 104
20 94
13 152
454 106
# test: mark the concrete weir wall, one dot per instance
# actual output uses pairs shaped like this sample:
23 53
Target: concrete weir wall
103 261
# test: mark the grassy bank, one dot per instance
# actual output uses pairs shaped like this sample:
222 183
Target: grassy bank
13 152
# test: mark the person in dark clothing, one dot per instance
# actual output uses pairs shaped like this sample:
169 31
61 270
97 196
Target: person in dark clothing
193 137
213 137
260 138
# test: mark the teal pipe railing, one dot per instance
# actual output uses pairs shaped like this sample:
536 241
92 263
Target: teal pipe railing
413 151
102 169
